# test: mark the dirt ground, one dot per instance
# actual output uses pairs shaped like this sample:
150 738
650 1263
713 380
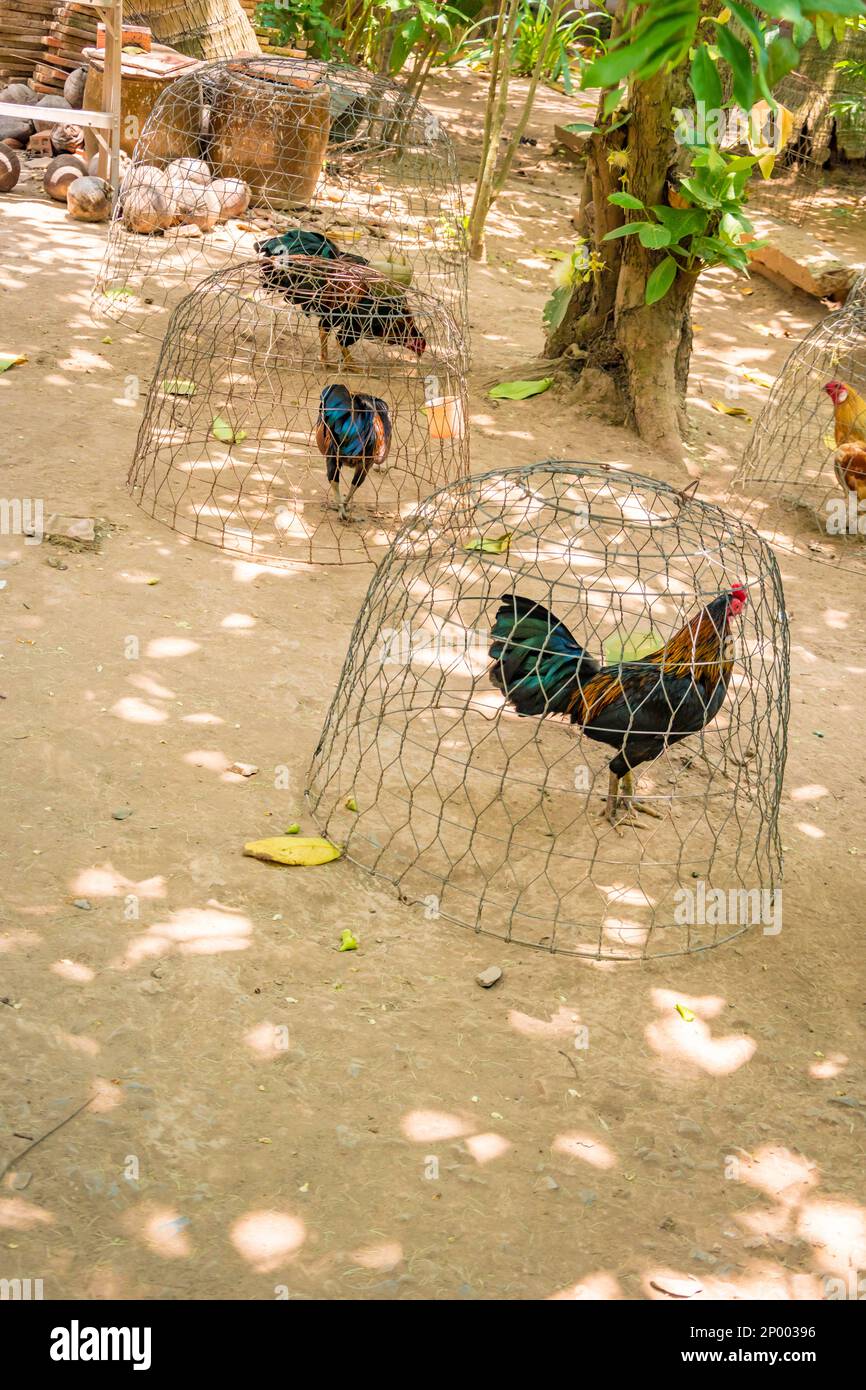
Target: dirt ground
250 1135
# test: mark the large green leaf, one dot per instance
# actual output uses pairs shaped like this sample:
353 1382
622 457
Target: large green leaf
681 222
625 200
736 55
661 280
627 229
653 236
704 80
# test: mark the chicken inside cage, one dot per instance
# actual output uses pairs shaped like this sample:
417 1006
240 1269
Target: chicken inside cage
242 151
261 438
808 446
564 705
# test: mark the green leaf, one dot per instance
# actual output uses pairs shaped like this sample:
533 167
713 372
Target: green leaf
661 280
489 545
653 237
554 309
736 55
681 222
581 127
704 80
618 648
625 200
520 390
782 57
627 229
612 100
11 359
221 429
176 387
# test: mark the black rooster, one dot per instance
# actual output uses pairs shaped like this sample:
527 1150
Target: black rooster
353 431
348 297
638 707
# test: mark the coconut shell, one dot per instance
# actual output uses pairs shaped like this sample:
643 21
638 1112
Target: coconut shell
60 173
18 92
10 169
146 210
89 199
73 88
93 164
55 104
190 170
195 205
148 176
234 197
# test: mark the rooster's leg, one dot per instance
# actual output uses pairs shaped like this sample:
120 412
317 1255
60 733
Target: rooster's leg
622 802
633 803
323 346
348 363
609 811
341 505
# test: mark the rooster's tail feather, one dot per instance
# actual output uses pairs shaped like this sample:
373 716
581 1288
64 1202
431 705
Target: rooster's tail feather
535 661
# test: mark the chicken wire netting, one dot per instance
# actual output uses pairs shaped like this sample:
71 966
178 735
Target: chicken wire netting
514 825
252 442
803 150
244 149
807 453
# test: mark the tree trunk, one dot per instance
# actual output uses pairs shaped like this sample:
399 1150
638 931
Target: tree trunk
645 348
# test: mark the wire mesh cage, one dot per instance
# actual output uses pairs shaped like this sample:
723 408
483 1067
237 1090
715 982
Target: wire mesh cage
856 297
808 446
239 151
802 133
536 640
300 410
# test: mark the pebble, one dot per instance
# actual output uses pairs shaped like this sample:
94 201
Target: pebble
121 815
84 904
677 1288
489 977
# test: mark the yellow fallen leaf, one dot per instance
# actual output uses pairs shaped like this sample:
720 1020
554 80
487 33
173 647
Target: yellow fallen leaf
293 829
725 409
685 1013
11 359
759 378
490 545
348 942
746 289
351 804
293 849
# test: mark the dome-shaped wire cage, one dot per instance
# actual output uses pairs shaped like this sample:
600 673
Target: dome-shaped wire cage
320 146
808 447
856 298
510 824
231 450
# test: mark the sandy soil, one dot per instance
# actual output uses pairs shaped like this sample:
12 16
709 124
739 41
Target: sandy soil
271 1116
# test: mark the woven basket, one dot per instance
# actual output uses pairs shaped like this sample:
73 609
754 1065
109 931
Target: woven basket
201 28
